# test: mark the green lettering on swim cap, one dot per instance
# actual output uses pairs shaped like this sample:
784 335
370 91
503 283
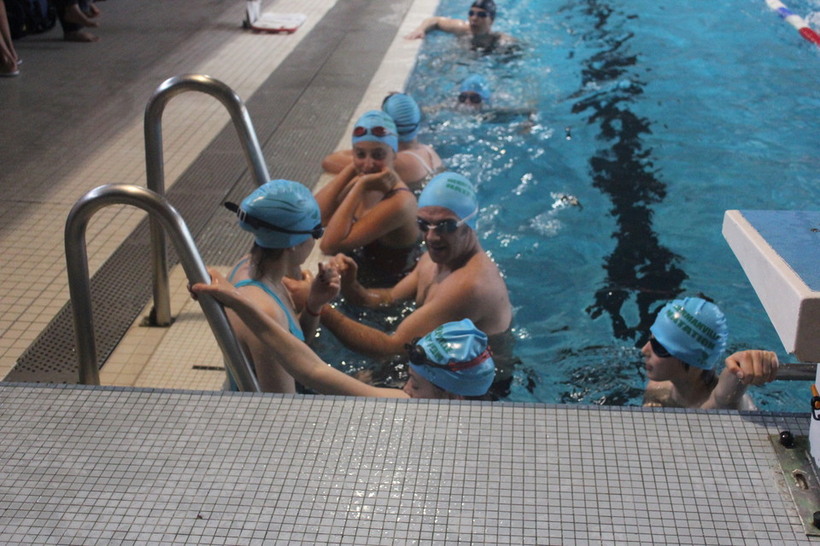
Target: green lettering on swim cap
457 185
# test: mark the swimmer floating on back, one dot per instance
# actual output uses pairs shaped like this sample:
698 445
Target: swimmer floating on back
688 338
475 97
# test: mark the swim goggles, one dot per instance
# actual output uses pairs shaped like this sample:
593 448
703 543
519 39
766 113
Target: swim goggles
445 226
479 14
474 98
378 131
418 357
659 350
257 223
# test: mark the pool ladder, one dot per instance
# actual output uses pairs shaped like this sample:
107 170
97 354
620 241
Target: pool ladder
162 217
154 166
79 284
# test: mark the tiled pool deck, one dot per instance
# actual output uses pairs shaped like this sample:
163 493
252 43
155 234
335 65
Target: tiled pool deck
138 462
86 465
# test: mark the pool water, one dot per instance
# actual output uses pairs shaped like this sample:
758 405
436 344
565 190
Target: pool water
650 120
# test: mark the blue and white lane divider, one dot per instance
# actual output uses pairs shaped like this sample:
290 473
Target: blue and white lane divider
795 20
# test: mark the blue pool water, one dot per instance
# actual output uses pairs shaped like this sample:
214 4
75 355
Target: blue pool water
651 119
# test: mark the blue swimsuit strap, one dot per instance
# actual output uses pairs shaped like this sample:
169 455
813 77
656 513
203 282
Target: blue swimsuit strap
293 327
236 268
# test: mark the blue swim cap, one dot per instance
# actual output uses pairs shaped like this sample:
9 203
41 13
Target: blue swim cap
284 204
382 124
463 348
476 84
454 192
405 112
693 330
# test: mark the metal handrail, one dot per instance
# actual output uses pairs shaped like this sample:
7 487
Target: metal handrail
154 166
79 283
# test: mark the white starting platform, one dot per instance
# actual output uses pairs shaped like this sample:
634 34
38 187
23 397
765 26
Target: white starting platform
780 254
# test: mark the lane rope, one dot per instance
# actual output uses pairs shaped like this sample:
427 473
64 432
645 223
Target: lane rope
795 20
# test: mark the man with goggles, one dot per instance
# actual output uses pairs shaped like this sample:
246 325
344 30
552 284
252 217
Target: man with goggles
454 279
686 343
451 362
477 27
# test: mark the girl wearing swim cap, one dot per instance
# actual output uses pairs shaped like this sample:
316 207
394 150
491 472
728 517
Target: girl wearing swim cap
415 162
368 211
284 219
451 362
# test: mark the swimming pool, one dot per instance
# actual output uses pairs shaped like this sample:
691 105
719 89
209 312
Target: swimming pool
651 120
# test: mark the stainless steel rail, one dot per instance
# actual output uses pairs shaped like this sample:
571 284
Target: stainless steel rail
79 283
154 164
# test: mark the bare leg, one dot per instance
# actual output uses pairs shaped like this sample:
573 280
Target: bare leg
8 55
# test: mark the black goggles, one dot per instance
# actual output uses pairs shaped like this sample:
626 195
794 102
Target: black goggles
378 131
418 357
257 223
659 349
474 98
445 226
480 14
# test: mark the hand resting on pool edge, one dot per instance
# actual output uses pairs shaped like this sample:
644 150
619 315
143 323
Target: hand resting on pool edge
687 340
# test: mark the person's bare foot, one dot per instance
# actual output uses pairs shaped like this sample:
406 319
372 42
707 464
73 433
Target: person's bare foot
80 36
76 16
8 69
93 11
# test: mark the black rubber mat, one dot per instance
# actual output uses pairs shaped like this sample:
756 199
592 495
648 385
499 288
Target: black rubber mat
301 112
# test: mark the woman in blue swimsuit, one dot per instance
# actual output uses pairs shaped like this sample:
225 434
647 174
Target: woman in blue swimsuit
284 219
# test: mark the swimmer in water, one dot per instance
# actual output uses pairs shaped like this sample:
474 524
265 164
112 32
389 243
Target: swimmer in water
368 210
415 163
477 27
687 340
451 362
283 218
454 279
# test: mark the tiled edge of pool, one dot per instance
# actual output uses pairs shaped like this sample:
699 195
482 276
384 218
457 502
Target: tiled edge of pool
101 465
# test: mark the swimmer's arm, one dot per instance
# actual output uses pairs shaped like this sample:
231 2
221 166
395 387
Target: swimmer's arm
743 368
361 296
344 235
374 343
335 162
312 293
446 24
296 357
331 195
